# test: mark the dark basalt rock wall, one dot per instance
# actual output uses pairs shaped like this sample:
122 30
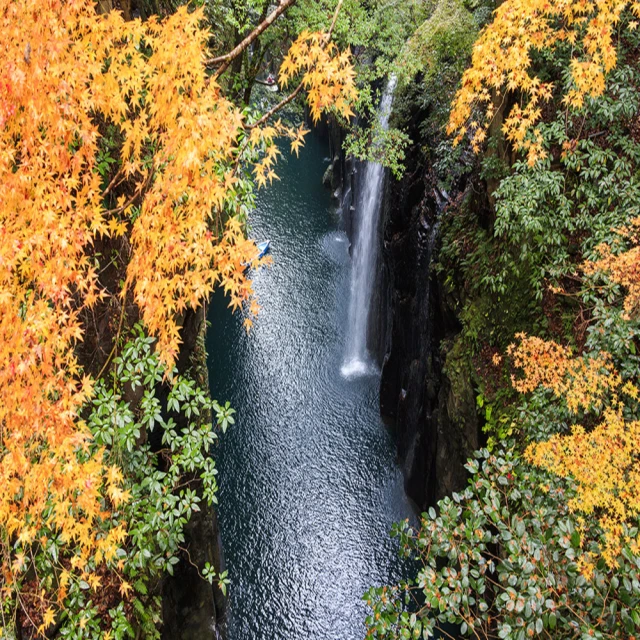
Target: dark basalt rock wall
341 175
426 391
192 608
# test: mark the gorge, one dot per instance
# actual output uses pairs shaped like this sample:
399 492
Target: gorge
196 444
309 485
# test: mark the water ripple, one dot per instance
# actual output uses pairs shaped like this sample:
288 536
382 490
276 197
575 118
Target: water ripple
309 487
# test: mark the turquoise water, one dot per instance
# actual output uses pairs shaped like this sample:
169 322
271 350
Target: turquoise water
309 487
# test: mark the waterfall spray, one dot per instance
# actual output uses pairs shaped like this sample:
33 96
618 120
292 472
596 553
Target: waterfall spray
365 251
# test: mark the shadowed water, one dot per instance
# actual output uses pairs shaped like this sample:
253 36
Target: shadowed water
308 484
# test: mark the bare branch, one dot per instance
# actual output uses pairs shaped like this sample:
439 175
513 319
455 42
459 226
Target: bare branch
277 108
335 19
226 59
138 192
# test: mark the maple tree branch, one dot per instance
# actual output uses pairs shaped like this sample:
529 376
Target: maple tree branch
115 341
284 102
277 108
226 59
298 89
112 184
138 192
335 19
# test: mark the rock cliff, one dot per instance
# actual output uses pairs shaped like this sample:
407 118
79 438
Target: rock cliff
427 392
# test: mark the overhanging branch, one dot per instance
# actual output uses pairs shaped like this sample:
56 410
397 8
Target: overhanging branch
226 59
299 88
277 108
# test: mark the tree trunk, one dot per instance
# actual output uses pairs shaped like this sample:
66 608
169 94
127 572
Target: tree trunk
104 6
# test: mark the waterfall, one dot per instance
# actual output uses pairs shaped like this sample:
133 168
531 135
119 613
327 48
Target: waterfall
357 359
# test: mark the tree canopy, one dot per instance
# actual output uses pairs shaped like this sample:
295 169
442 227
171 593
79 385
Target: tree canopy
539 251
117 146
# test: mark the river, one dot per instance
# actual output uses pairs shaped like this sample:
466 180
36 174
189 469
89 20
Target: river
309 487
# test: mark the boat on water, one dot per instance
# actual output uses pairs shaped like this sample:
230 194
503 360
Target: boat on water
262 247
270 83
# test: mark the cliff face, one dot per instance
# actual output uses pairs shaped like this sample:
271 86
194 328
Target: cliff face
427 393
427 390
192 609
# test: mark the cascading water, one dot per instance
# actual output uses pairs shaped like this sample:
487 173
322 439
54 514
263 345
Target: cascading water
357 359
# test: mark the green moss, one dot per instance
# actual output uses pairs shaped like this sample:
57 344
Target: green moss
445 38
458 367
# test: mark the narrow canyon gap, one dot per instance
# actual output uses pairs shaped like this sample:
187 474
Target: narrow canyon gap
309 485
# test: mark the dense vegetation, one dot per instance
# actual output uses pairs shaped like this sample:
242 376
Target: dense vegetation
539 244
132 136
126 175
130 145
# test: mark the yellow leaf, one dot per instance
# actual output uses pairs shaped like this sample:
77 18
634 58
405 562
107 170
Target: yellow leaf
125 588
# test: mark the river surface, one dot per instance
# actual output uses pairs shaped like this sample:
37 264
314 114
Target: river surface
309 487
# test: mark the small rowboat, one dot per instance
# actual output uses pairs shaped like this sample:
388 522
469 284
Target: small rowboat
262 247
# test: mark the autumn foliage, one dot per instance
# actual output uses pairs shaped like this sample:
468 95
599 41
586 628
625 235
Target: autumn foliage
622 268
66 74
540 238
503 62
328 74
582 382
602 459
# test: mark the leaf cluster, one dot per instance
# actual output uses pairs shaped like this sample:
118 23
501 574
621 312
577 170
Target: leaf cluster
160 472
506 558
